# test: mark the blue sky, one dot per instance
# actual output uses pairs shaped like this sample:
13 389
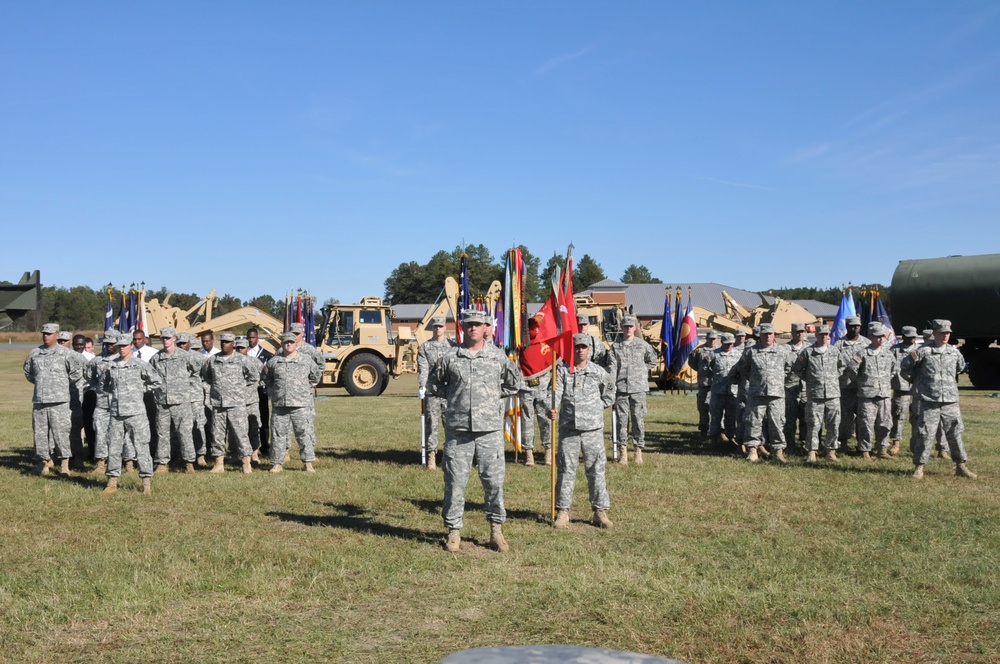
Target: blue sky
259 147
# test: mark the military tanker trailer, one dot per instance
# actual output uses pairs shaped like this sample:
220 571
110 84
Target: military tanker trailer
962 289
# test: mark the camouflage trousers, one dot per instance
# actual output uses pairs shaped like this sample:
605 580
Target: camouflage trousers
199 431
535 405
136 429
302 422
931 419
874 423
848 414
631 405
764 421
900 413
177 417
595 458
433 412
461 449
232 420
823 414
51 422
723 410
102 433
704 407
795 414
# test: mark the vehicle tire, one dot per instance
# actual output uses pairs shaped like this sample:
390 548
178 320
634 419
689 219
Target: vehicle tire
364 375
984 369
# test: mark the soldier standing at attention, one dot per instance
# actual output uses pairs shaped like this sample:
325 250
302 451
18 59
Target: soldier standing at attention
700 360
94 373
253 399
229 377
177 368
852 344
428 356
764 367
723 404
536 371
289 378
795 394
473 380
76 390
307 349
51 369
874 367
820 366
740 346
126 380
582 397
901 388
254 349
934 370
629 363
196 399
598 351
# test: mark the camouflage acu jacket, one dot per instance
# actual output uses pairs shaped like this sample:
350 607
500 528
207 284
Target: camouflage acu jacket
582 397
473 385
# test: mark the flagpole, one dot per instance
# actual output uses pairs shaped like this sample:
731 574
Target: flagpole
553 428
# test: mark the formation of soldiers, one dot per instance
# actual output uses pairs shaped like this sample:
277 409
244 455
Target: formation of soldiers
203 400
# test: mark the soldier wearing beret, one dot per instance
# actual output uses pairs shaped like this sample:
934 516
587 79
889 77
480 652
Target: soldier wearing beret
582 397
428 356
934 370
700 360
52 369
629 363
901 388
473 380
229 378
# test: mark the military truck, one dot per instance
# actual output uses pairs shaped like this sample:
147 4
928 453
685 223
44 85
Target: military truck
962 289
18 299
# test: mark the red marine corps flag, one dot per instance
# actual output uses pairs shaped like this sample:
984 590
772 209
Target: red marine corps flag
557 317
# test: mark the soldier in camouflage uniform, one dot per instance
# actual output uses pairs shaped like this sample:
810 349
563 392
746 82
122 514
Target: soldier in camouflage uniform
307 349
51 369
629 363
850 345
934 370
795 393
229 378
428 356
94 374
197 399
598 351
820 366
177 368
764 367
873 368
740 346
474 380
76 391
901 388
700 360
582 397
289 378
126 379
536 401
253 398
723 404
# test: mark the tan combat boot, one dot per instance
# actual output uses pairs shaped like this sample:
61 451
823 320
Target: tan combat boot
623 455
548 456
601 519
129 466
112 486
637 457
752 455
831 455
101 467
779 456
497 542
288 456
188 467
309 467
918 472
883 454
865 456
529 457
764 452
247 469
147 486
160 468
255 458
43 468
454 541
894 448
276 468
962 471
219 466
200 461
811 458
562 519
432 460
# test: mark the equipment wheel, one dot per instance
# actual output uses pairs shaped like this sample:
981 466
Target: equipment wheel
984 369
364 375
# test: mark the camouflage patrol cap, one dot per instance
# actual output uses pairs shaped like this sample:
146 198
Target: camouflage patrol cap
727 338
489 320
227 336
630 320
243 342
288 336
711 334
941 325
437 321
65 335
110 338
183 338
473 316
765 328
50 328
582 319
852 320
581 339
928 334
822 328
798 327
910 332
123 340
297 328
877 329
168 333
740 332
196 344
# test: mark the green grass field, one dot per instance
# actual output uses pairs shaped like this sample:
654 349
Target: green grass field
711 559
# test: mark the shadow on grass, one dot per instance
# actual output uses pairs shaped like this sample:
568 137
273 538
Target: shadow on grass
680 442
434 507
871 468
358 519
21 460
397 457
